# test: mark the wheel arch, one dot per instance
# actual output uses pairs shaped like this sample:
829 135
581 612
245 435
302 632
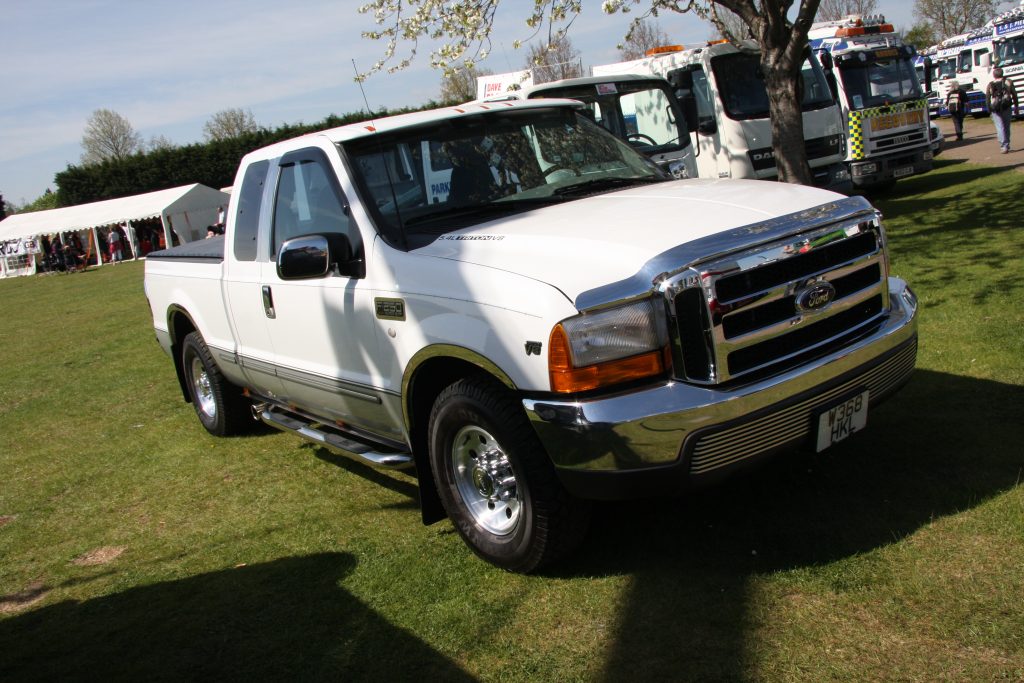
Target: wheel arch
428 373
179 325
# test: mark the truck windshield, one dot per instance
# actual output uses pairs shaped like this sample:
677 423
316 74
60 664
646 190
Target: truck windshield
447 175
1010 51
876 82
644 113
741 86
944 68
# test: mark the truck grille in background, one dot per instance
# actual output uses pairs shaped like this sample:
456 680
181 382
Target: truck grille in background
741 315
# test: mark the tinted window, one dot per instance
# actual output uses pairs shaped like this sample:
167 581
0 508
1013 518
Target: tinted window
742 88
247 220
308 202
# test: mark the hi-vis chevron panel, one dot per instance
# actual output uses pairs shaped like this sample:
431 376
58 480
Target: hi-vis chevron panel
882 118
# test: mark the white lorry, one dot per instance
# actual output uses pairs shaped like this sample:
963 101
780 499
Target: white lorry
733 137
883 103
962 61
1008 36
550 334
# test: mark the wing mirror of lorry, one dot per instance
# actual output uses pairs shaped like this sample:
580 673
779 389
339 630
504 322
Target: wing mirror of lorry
707 126
313 256
928 73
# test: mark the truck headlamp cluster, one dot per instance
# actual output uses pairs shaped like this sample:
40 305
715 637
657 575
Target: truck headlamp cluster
608 347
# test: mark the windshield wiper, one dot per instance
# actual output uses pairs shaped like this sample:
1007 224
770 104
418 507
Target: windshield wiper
600 184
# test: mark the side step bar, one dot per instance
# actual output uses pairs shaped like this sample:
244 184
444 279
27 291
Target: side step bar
332 440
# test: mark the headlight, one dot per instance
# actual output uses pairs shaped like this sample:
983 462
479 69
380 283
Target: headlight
608 347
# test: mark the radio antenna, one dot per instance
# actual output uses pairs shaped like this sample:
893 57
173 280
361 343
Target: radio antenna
383 161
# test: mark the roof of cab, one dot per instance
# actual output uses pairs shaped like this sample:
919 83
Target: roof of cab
388 124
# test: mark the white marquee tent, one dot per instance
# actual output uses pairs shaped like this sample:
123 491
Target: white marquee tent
186 211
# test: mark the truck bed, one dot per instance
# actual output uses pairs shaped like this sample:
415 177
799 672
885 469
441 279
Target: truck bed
211 249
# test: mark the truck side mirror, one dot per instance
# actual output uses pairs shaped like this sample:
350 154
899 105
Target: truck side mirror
928 74
312 256
707 126
689 105
826 60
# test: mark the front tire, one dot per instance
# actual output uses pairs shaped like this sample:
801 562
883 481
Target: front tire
496 482
219 405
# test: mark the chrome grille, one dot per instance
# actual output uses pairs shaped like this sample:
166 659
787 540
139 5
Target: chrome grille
795 422
742 314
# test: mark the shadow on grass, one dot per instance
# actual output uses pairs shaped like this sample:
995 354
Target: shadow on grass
942 445
282 620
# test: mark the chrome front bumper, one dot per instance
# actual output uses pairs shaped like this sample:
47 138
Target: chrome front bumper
657 440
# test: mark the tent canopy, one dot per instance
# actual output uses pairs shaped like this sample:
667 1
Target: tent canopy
198 200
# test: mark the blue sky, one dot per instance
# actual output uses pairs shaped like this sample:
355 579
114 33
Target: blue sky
167 66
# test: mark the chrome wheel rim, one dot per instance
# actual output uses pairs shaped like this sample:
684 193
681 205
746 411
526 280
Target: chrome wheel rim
486 482
201 387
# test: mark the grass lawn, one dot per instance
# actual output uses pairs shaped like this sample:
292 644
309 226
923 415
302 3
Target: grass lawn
135 546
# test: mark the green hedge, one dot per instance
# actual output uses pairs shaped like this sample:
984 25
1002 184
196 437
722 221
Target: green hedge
212 164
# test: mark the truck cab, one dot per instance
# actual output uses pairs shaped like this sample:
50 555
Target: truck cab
883 103
721 84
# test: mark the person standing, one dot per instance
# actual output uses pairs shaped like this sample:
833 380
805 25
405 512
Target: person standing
114 240
1001 98
956 103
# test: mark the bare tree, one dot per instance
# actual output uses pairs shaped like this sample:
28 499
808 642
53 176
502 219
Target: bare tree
831 10
726 23
108 136
642 37
952 17
460 86
159 142
229 123
554 60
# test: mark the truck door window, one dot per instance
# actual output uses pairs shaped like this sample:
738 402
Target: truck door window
702 92
247 218
308 202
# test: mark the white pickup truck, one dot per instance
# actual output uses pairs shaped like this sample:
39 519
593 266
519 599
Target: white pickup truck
568 324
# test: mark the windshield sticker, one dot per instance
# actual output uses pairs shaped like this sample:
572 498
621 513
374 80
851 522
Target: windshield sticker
606 89
858 102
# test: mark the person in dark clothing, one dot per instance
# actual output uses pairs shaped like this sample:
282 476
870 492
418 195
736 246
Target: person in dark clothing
956 103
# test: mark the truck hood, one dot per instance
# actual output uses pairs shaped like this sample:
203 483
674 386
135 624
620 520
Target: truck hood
584 244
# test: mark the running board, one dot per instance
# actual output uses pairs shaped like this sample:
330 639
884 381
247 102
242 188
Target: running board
334 442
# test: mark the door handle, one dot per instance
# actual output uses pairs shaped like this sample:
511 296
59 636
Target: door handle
268 302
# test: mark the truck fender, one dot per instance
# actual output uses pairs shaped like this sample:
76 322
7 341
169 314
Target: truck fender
429 372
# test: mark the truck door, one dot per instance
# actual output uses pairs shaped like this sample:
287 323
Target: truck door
696 88
243 281
322 330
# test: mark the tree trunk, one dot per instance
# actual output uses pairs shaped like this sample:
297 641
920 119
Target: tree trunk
787 125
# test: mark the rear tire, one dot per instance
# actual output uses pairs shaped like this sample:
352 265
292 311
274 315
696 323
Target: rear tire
219 405
496 482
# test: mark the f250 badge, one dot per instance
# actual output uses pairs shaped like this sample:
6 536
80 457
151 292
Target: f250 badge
815 297
389 309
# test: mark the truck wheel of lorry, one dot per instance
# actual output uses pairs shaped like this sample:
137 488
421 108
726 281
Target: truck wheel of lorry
219 404
496 482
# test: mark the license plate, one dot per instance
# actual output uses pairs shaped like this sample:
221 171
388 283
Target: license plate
900 172
838 422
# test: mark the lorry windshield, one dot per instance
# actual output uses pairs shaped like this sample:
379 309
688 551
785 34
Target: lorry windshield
1010 51
876 82
741 85
645 113
447 175
944 68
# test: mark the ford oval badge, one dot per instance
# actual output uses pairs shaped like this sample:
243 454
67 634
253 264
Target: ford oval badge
816 297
